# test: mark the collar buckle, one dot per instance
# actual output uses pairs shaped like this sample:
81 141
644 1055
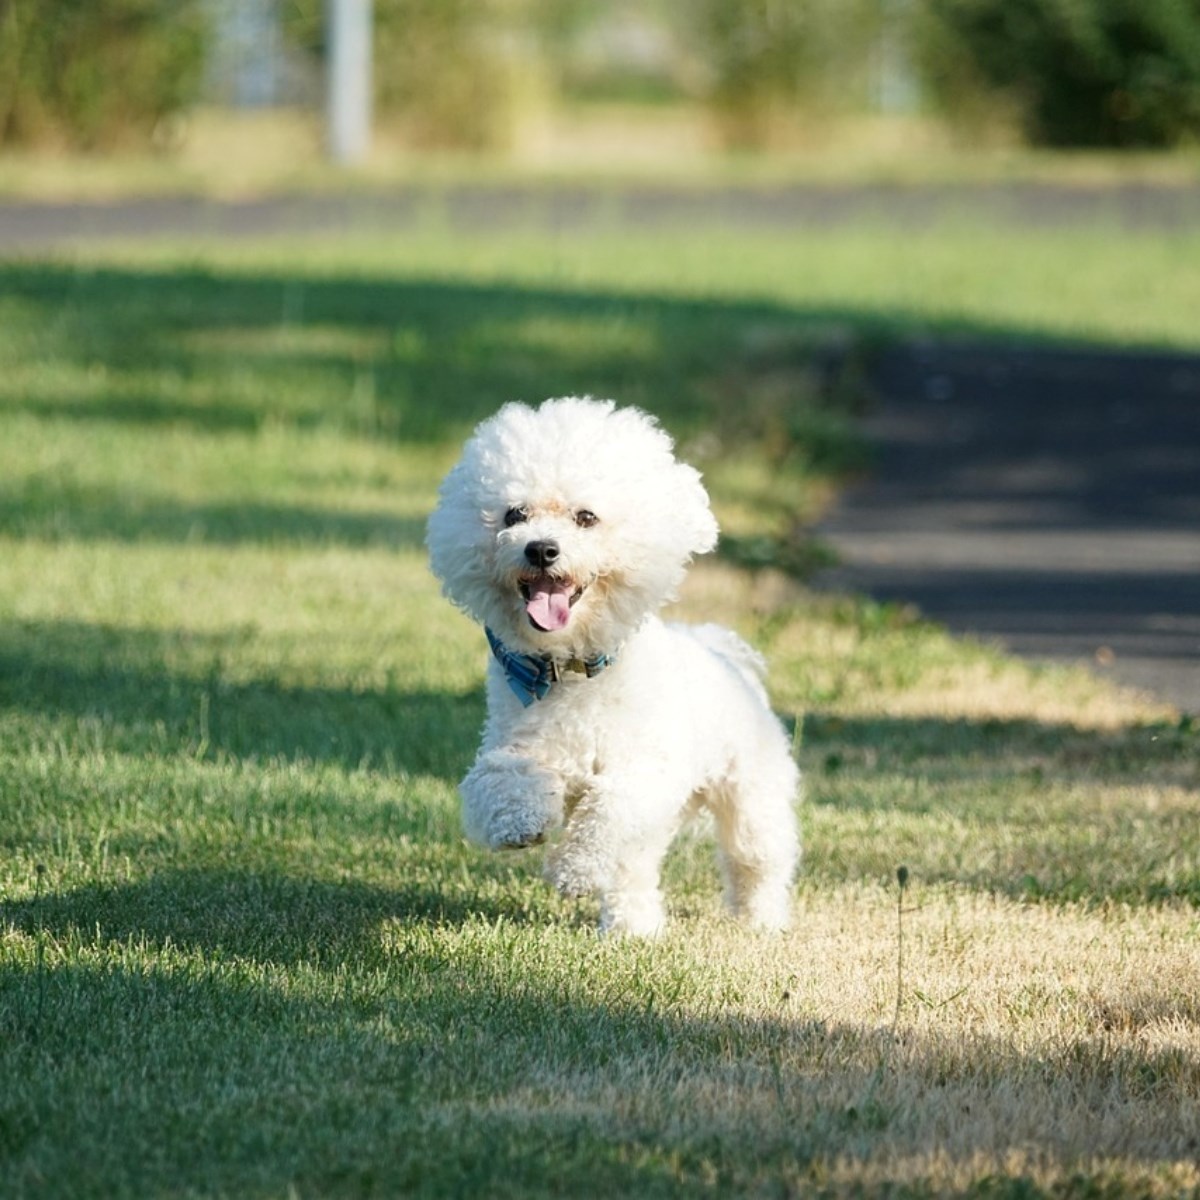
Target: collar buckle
531 676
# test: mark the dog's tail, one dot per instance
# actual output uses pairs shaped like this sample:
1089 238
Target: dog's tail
742 659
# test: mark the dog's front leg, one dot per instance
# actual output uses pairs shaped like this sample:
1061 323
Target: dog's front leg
613 846
509 801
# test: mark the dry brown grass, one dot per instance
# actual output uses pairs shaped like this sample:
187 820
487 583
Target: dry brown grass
1035 1044
220 152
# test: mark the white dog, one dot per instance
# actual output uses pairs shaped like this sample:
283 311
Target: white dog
563 530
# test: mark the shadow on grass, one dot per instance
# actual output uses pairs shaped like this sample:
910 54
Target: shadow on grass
1021 745
232 351
266 916
387 1088
68 513
166 694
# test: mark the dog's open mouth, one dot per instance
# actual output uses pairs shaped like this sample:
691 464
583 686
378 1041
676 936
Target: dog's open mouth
548 600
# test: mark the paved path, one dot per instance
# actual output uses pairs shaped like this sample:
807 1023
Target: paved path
562 206
1047 499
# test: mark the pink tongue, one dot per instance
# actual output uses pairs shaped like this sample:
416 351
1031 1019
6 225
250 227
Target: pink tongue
549 605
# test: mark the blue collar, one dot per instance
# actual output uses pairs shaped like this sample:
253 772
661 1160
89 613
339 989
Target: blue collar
531 676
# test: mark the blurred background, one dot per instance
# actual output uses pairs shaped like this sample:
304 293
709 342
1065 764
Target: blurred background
233 93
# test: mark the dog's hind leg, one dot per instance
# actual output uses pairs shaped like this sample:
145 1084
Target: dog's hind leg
760 845
634 905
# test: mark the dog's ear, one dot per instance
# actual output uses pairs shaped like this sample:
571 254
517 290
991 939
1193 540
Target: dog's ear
692 514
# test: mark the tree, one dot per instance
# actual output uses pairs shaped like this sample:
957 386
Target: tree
1079 72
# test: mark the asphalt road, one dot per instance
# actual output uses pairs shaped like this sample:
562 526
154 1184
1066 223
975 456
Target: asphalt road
1049 500
1045 499
559 206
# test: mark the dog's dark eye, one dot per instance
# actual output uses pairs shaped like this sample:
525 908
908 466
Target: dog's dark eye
585 518
516 516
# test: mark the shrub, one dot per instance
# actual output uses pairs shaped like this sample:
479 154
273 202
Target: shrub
443 71
1077 72
92 73
769 59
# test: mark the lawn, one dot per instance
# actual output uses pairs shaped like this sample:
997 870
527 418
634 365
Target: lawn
243 947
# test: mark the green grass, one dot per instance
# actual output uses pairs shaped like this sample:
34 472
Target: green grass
243 948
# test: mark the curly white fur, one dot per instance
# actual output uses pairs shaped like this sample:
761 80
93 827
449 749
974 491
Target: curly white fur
564 529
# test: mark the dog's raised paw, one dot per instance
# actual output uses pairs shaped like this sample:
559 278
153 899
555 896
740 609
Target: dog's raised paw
519 841
516 830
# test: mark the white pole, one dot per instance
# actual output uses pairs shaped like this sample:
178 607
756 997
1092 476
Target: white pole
348 80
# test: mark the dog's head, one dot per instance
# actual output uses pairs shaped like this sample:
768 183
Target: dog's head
561 527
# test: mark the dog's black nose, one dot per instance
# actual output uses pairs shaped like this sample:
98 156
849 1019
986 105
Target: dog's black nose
541 554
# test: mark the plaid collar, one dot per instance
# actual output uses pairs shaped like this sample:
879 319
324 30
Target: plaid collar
531 676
